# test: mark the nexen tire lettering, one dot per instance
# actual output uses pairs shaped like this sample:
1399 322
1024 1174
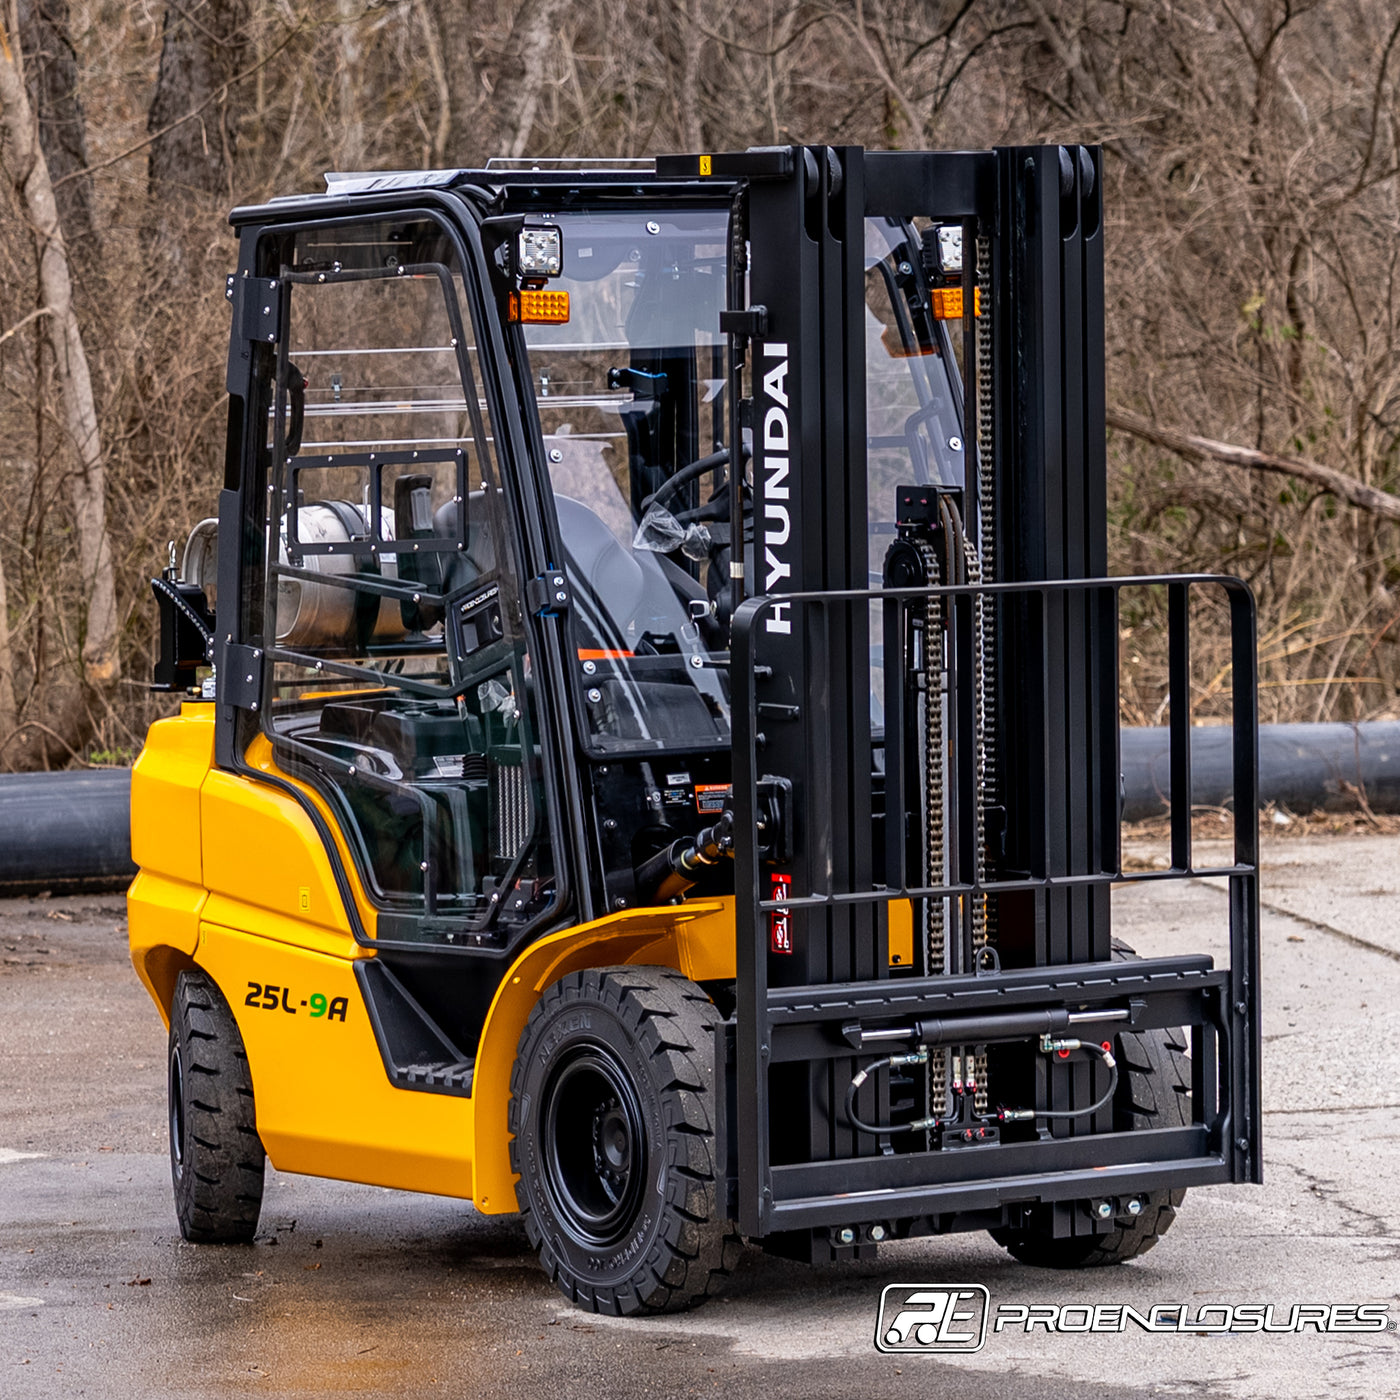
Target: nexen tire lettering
567 1027
777 468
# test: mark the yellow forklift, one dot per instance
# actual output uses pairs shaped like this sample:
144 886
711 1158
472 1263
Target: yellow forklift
649 755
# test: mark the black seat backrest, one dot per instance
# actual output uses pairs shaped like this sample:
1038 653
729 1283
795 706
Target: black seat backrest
479 556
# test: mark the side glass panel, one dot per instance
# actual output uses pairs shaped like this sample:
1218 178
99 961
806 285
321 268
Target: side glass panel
913 436
913 428
401 677
631 399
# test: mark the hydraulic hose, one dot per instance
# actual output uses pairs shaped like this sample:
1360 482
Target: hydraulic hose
920 1056
1048 1045
917 1125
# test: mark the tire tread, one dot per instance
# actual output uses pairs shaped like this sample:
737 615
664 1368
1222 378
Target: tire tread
218 1195
670 1021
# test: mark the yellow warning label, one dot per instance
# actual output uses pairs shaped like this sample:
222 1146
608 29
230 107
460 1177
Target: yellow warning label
706 164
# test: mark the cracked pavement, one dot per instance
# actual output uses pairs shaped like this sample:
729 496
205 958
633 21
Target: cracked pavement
373 1293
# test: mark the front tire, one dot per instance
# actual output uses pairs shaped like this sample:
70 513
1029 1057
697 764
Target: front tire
613 1120
217 1162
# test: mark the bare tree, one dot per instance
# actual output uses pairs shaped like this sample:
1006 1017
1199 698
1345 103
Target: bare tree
29 173
51 68
204 46
495 100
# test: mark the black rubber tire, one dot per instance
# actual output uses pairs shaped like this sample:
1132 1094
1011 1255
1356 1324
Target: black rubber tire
217 1162
1154 1085
599 1046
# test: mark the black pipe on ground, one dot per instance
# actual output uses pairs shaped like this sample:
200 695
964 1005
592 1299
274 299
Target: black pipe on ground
70 832
66 832
1304 767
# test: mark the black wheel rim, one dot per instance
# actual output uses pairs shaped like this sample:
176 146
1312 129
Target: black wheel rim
595 1148
177 1111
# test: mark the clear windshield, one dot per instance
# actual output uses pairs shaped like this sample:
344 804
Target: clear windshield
630 392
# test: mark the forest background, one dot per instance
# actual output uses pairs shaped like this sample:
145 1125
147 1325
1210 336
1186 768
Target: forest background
1252 183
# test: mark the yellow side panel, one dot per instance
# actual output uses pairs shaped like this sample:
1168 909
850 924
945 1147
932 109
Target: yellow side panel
162 919
161 911
259 756
281 928
165 784
262 850
325 1105
705 943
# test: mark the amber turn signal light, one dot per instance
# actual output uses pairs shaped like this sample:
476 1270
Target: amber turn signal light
539 308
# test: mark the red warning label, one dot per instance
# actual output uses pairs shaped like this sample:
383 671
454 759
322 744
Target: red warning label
781 938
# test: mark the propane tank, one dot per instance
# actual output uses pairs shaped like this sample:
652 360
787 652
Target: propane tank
323 615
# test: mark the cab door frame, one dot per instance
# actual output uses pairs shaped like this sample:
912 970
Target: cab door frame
241 664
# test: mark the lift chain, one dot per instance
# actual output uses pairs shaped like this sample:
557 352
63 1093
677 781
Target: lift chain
984 570
935 949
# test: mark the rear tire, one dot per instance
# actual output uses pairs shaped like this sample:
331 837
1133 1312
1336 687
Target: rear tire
613 1118
1154 1086
217 1162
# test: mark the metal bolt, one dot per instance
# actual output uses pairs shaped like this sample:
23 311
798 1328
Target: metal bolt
422 865
696 663
595 695
1241 1007
653 226
619 903
846 1235
1104 1209
1134 1205
905 269
589 667
609 825
556 455
561 597
955 444
877 1233
1242 1144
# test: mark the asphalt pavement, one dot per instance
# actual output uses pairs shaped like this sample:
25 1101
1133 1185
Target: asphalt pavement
359 1291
